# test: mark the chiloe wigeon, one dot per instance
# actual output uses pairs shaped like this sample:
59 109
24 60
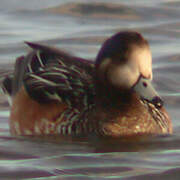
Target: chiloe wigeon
53 92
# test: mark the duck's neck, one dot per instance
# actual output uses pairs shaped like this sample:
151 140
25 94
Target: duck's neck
110 97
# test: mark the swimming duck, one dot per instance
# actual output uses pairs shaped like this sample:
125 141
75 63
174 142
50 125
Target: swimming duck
53 92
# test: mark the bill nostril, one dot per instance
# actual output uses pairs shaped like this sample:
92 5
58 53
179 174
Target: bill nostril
144 84
157 101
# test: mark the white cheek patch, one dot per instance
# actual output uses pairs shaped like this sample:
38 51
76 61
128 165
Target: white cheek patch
122 76
142 57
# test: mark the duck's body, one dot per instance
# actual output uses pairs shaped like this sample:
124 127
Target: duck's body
55 93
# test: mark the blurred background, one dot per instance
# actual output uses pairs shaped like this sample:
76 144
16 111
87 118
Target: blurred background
80 27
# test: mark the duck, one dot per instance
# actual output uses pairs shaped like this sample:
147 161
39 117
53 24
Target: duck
53 92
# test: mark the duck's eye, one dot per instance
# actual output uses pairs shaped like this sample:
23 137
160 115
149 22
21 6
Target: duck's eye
144 84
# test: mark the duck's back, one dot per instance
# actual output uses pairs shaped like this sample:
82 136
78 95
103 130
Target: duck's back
51 92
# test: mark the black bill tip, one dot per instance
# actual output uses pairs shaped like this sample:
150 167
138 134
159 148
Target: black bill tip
157 101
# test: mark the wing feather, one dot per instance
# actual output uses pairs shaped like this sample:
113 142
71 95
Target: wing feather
62 83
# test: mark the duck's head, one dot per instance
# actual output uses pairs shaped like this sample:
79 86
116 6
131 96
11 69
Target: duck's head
125 63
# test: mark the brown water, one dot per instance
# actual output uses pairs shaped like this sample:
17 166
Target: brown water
80 28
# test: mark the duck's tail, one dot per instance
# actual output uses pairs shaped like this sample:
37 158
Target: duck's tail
6 87
13 81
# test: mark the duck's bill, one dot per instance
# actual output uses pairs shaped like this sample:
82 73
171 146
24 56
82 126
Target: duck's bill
144 88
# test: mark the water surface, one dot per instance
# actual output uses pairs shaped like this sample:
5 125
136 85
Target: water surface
80 27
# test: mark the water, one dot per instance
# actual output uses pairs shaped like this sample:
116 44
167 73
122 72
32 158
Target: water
80 28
